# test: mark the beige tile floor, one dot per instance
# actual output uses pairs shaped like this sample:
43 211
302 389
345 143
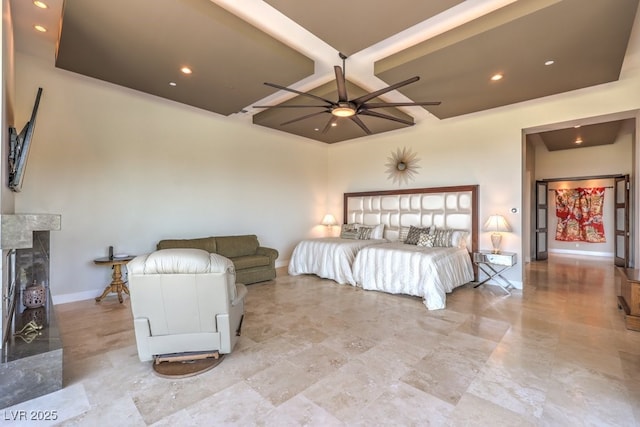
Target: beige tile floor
317 353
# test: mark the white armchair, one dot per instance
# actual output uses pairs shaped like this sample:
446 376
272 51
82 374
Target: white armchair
184 300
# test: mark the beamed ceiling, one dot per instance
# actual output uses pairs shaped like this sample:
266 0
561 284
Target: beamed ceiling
234 47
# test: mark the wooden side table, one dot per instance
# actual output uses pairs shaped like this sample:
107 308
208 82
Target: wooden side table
493 265
117 284
629 300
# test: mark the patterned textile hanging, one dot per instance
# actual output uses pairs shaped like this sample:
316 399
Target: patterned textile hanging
579 213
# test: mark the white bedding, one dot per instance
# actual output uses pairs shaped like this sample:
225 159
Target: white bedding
329 257
426 272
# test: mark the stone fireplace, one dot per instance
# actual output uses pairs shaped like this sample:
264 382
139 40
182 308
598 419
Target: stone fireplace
31 360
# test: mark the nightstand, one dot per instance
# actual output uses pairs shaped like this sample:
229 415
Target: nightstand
493 265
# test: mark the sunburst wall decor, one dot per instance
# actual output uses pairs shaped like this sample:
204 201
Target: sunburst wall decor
402 165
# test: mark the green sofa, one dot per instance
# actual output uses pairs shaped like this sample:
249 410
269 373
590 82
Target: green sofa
253 263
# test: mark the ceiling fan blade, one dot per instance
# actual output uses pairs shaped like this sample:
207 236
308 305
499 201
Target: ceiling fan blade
360 123
297 119
385 116
399 104
342 86
277 86
333 120
289 106
364 98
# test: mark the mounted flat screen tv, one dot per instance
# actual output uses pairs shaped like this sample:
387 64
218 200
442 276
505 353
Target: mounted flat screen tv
19 144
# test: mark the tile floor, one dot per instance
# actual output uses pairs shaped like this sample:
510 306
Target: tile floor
321 354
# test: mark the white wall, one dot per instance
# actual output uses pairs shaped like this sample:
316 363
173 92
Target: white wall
8 99
127 169
612 159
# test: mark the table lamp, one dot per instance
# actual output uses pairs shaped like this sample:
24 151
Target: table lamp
329 220
497 224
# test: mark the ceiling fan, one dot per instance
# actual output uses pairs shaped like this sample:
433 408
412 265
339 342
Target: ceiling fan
350 108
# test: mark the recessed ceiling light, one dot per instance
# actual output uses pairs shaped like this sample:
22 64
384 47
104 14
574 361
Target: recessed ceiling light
186 70
496 77
578 141
549 62
316 129
577 126
172 84
40 4
40 28
334 124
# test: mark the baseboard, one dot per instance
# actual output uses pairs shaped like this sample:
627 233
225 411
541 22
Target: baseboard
282 263
581 253
79 296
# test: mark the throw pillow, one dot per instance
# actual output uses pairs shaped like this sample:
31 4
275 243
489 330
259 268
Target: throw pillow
349 231
414 234
459 238
364 232
426 240
442 238
378 232
402 234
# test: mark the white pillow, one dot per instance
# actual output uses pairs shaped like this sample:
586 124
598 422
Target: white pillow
459 238
378 232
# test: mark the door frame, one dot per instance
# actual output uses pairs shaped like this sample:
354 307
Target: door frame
629 224
541 226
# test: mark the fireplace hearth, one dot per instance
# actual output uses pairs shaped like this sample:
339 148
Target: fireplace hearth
31 359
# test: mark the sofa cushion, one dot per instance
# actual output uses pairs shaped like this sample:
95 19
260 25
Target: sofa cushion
205 243
235 246
250 261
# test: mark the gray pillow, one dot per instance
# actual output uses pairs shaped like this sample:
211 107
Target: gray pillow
349 231
414 234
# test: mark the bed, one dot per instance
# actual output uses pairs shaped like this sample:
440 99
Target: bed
329 257
426 272
389 265
400 268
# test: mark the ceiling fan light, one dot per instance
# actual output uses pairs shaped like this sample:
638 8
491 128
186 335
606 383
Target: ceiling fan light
343 112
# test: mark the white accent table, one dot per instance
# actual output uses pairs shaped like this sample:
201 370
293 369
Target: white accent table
493 265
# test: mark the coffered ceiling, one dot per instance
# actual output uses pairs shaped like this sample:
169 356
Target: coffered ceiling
232 48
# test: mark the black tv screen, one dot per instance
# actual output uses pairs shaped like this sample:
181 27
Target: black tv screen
19 144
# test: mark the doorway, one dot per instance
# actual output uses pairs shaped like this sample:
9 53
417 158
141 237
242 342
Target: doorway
610 192
618 160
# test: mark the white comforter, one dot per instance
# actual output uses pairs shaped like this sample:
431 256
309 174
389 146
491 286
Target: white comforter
407 269
329 258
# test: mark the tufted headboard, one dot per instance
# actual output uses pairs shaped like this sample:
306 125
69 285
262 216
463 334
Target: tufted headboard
453 207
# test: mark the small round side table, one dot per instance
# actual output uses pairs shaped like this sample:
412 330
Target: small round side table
117 284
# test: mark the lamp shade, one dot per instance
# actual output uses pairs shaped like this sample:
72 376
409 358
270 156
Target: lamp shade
496 223
329 220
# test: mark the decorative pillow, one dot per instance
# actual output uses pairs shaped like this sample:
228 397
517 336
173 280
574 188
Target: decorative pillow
364 232
378 232
349 231
414 234
426 239
442 238
402 235
459 238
